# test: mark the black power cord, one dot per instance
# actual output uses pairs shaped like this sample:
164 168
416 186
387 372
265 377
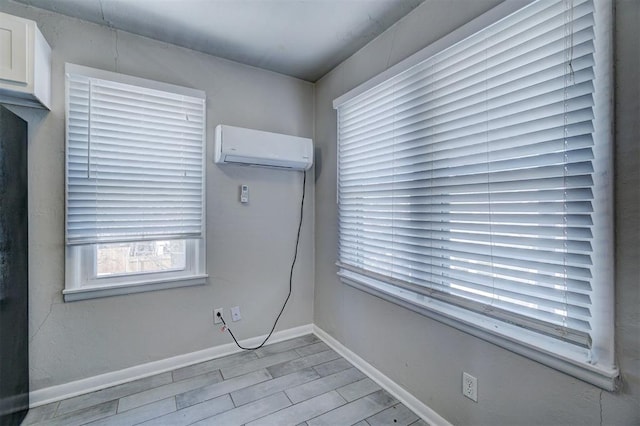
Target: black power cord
293 263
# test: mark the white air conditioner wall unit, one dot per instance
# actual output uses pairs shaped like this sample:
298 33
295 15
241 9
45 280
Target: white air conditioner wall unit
236 145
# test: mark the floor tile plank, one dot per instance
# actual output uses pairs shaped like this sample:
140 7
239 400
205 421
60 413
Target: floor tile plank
84 415
398 415
306 410
303 362
258 364
194 413
165 391
246 413
204 393
313 349
355 411
41 413
260 390
324 384
332 367
114 392
140 414
212 365
358 389
287 345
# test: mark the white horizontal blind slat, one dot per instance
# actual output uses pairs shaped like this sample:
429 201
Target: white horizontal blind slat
468 177
135 167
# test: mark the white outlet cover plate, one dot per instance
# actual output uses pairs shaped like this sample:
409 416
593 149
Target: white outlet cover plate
470 386
235 313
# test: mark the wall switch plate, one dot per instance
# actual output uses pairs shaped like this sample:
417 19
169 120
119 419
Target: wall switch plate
470 386
216 318
235 313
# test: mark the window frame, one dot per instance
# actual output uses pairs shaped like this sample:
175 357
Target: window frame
546 350
81 280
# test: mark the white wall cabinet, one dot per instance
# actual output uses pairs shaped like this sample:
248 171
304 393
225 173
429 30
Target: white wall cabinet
25 63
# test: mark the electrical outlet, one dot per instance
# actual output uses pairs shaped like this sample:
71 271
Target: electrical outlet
235 313
470 386
216 318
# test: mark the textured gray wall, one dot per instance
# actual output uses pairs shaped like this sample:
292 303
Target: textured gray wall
427 357
249 247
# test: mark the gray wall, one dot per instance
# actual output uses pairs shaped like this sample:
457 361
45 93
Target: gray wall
249 247
427 357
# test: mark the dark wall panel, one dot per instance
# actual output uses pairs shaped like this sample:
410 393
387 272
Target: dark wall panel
14 271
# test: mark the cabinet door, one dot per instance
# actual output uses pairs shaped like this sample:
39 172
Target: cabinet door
13 49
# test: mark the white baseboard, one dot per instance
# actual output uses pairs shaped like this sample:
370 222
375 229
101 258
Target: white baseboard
413 403
102 381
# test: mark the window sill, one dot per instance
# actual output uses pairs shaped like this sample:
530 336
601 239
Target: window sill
84 293
548 351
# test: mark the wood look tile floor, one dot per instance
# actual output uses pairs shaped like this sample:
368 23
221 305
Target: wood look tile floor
296 382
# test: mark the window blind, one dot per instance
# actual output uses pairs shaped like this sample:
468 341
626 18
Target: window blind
469 177
134 159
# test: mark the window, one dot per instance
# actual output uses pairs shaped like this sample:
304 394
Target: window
134 184
474 184
140 257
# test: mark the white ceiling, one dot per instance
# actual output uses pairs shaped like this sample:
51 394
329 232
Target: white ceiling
301 38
